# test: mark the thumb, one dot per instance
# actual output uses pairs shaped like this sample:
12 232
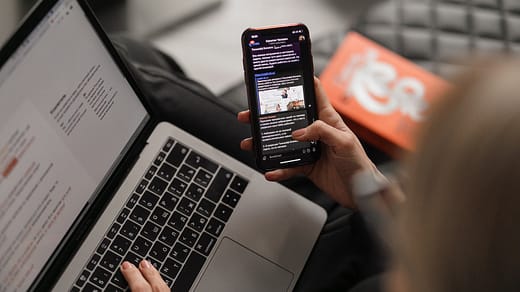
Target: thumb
327 134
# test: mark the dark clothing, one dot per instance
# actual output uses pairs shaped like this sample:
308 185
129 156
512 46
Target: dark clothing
371 284
344 254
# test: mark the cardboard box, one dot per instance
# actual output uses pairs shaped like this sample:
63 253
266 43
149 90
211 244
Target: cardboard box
382 96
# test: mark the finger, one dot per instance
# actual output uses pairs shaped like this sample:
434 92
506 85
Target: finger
244 117
286 173
326 111
325 133
153 277
321 97
247 144
135 279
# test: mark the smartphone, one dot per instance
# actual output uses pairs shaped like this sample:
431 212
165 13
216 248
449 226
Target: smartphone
279 76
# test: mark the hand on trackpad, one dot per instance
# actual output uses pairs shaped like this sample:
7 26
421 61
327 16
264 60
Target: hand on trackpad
236 268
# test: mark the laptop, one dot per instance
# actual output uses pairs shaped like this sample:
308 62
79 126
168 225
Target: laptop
89 178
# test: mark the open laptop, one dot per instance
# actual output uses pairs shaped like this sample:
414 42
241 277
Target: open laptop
89 179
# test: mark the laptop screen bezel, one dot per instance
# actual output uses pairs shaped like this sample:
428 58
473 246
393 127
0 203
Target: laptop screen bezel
58 261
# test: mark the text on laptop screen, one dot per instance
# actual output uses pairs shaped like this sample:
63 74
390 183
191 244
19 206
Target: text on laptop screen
66 115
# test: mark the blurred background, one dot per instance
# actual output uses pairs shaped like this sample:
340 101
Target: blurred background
203 35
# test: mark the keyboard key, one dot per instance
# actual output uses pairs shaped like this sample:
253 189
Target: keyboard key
186 206
130 229
197 222
166 172
195 192
91 288
205 207
177 187
168 235
215 227
171 269
150 231
150 173
160 158
231 198
177 155
203 178
156 264
159 251
168 145
100 277
219 184
186 173
190 271
168 281
94 260
75 289
157 186
205 244
141 187
103 246
118 279
133 258
141 246
180 252
160 216
168 201
196 161
139 215
82 278
239 184
132 201
120 245
178 221
112 232
223 212
123 215
113 288
189 237
111 261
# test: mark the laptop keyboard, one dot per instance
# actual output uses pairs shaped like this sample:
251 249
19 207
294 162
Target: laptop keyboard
172 219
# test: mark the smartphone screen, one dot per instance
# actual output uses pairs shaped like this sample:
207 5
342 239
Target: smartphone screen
279 74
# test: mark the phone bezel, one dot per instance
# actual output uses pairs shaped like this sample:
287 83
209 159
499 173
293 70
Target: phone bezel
309 92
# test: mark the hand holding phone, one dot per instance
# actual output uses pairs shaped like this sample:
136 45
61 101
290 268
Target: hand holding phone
279 76
341 156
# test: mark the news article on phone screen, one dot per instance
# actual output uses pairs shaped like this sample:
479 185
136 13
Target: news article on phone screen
279 75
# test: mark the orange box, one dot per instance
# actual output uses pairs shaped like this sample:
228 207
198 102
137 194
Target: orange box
382 96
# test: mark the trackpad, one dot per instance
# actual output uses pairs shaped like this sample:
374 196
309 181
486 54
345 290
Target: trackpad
236 268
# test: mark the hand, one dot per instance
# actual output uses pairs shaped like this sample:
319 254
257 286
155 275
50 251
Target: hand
342 154
144 279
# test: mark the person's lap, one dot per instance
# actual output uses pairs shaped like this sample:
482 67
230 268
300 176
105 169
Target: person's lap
344 253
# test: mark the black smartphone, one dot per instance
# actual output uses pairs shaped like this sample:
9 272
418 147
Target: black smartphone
279 75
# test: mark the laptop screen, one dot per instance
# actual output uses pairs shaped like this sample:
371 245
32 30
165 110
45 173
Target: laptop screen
66 115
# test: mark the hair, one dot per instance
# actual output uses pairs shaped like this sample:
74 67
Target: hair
460 225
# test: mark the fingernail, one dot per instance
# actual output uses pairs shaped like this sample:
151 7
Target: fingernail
270 177
298 133
126 265
145 264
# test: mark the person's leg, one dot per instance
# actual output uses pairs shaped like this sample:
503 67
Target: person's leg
344 253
